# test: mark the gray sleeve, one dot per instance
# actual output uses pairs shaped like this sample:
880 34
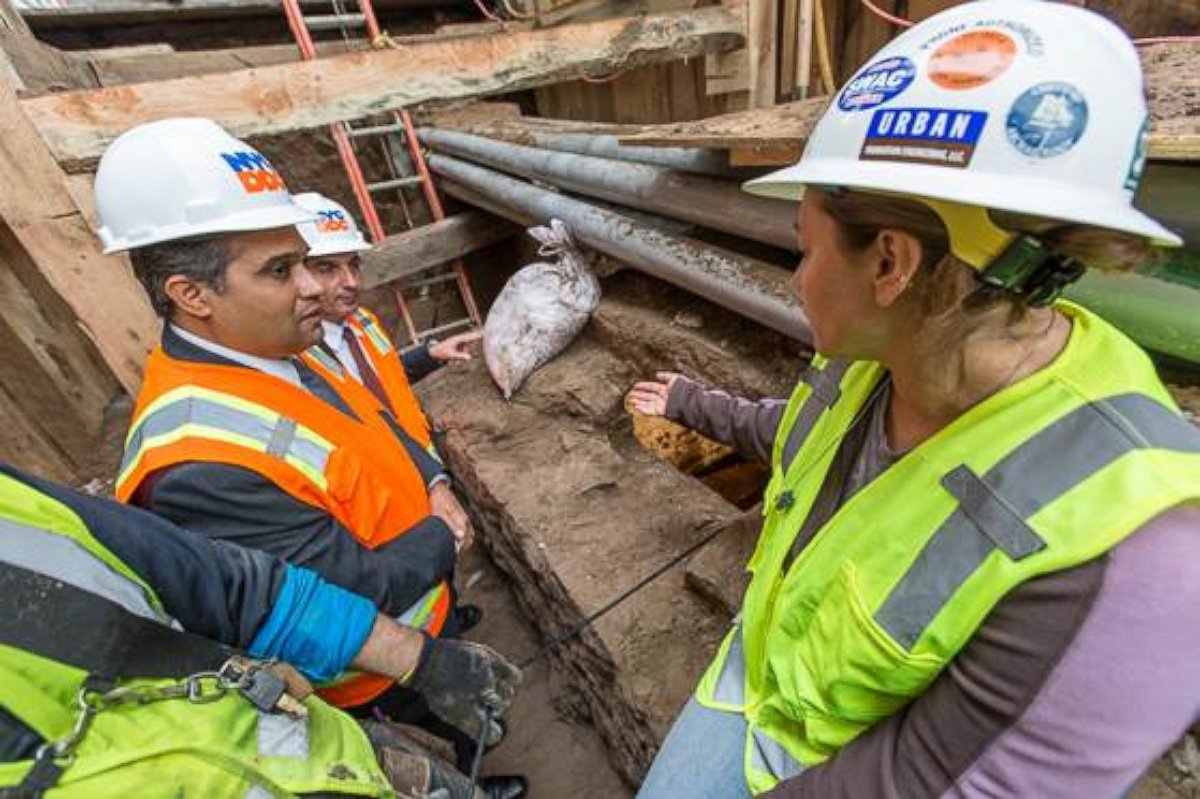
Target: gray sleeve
746 425
239 506
1073 685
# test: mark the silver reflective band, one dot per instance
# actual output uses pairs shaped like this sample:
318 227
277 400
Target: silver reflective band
769 756
1026 480
731 683
826 391
280 735
65 559
277 437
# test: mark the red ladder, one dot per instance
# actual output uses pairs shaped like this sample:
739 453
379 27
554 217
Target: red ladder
397 135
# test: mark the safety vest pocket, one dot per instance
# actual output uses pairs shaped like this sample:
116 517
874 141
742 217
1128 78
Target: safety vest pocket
846 671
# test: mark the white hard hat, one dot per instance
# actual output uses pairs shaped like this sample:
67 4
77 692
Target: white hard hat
182 178
1016 105
333 232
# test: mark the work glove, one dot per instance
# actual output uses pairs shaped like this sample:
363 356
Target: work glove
459 679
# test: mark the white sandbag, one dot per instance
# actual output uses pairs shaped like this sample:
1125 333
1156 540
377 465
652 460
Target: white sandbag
540 310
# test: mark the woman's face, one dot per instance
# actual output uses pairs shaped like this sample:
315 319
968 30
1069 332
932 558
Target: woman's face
835 286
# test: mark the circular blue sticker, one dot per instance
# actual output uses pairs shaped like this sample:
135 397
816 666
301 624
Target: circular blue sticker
1047 120
877 84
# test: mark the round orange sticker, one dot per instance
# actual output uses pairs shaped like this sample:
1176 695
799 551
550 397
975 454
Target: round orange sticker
971 59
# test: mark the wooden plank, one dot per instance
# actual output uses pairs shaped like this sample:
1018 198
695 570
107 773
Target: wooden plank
727 72
761 31
410 252
764 154
100 13
77 126
101 291
789 42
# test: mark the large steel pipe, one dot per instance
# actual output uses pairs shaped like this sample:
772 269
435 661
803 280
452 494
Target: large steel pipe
752 288
708 202
697 160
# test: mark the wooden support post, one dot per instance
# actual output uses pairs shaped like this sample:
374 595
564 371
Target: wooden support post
436 243
761 31
11 20
98 293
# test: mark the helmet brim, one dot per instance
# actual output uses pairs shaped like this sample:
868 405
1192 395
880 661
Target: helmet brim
1028 194
279 216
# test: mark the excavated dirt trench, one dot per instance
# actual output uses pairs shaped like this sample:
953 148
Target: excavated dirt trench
576 507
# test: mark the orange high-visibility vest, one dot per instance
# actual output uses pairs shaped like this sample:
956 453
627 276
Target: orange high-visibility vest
356 470
385 359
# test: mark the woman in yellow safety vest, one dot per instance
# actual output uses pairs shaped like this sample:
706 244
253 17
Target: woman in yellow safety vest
980 559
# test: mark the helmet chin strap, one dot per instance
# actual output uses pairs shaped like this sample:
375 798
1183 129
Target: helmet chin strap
1019 263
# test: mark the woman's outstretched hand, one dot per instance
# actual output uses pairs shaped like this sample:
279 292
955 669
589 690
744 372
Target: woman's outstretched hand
650 396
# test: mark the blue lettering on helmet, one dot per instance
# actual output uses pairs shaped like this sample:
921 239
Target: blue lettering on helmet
934 136
877 84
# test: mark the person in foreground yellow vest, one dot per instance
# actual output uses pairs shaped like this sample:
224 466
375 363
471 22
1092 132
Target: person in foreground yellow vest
103 692
979 554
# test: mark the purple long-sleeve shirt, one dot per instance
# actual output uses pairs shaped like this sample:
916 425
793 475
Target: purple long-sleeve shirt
1071 687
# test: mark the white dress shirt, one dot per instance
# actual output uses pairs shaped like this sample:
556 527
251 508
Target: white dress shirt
276 367
335 339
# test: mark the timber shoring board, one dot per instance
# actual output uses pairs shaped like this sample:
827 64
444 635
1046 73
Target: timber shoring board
78 125
100 291
1172 83
418 249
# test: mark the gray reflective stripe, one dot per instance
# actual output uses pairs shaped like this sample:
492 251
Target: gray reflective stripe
280 735
826 391
278 437
769 756
995 508
281 437
731 684
65 559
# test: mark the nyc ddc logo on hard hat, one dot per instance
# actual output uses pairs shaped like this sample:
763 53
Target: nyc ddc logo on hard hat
254 171
1047 120
332 221
877 84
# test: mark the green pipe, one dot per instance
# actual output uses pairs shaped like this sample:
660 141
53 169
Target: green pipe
1160 314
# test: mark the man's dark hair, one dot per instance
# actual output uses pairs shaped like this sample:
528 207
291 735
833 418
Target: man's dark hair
201 260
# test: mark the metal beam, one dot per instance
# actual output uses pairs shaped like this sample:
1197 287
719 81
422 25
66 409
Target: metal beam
709 202
752 288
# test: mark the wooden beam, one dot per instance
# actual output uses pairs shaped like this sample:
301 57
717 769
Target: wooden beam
77 126
98 13
761 32
421 248
105 300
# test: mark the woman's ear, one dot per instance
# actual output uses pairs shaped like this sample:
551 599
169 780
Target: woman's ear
188 297
897 258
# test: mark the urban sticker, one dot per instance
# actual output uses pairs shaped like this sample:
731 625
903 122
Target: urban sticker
877 84
972 59
1047 120
937 136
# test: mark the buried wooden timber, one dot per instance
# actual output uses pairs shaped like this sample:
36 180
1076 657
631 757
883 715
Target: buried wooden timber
48 227
98 13
429 245
774 135
78 125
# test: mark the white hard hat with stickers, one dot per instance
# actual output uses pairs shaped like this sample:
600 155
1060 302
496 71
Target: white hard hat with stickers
1025 106
333 232
186 178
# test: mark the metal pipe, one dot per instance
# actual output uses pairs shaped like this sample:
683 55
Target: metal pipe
697 160
755 289
709 202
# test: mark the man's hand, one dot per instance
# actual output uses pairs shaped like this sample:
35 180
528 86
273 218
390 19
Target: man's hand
443 503
455 348
650 396
458 679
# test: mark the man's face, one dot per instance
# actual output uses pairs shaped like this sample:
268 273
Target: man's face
340 277
270 305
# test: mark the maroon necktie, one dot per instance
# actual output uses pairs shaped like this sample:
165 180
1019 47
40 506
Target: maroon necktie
369 378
